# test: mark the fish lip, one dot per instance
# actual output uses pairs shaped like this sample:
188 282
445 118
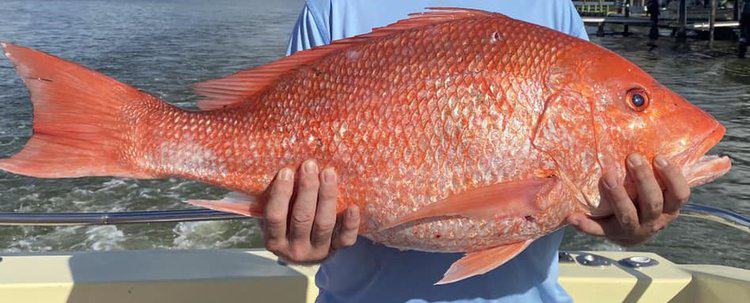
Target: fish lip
707 169
700 148
700 168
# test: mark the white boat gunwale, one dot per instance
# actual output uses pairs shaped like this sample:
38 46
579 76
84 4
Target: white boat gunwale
255 275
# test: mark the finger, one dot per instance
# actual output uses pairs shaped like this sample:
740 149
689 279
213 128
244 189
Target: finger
650 197
608 227
620 202
303 210
587 225
325 215
277 209
640 236
677 189
347 234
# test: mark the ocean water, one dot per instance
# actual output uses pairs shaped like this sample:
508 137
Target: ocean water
162 47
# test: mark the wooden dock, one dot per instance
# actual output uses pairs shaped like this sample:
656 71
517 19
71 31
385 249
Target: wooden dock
640 21
616 20
707 25
680 19
710 20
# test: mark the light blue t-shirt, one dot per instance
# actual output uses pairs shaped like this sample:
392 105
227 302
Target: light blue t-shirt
369 272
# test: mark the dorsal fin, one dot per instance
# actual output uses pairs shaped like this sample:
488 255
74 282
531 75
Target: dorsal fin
243 85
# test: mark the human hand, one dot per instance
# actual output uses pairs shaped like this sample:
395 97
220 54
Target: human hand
307 231
635 223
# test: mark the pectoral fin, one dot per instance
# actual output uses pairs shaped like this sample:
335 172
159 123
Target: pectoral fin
234 202
480 262
506 199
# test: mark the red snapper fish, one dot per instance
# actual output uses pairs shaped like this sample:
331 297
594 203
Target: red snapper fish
454 130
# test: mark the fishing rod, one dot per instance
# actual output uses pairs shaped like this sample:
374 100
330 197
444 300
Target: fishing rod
716 214
112 218
705 212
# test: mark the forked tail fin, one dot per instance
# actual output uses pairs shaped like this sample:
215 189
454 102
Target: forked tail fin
79 122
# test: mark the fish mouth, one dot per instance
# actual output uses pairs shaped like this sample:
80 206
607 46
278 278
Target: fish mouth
707 169
700 168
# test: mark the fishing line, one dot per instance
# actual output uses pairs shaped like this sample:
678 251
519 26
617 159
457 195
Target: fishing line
704 212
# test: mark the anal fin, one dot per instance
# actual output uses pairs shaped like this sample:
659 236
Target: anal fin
234 202
480 262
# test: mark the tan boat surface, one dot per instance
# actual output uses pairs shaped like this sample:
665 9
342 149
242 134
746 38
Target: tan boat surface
235 275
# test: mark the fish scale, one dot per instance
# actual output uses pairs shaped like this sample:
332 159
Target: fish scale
453 131
378 113
450 88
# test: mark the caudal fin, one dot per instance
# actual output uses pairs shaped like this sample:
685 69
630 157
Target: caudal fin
79 123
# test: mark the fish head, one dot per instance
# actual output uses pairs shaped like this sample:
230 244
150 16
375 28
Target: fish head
631 112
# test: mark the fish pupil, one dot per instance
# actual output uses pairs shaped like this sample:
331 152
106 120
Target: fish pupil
638 100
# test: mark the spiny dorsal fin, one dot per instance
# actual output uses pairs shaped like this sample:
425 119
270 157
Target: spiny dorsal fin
243 85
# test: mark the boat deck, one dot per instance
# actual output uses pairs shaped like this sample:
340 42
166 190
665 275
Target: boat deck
227 276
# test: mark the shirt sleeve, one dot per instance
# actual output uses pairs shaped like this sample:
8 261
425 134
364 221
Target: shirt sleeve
575 26
310 29
306 33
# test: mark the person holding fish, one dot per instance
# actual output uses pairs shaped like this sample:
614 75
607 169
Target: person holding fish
458 138
368 272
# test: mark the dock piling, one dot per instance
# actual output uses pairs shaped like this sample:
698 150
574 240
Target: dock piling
681 34
744 32
711 24
626 28
653 12
736 11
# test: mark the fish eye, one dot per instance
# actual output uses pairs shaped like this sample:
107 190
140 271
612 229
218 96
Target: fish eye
637 99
